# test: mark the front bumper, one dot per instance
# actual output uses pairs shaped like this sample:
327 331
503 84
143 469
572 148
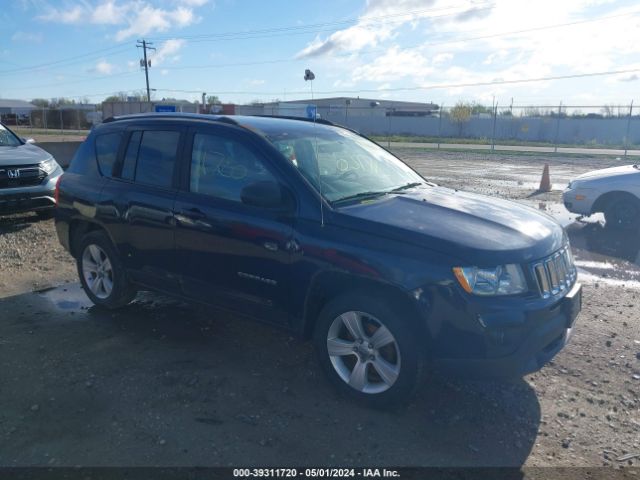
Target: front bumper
32 198
542 334
578 200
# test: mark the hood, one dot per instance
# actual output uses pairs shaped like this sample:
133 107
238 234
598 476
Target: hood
22 155
609 172
477 229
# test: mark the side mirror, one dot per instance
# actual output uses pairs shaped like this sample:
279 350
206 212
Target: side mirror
28 140
266 194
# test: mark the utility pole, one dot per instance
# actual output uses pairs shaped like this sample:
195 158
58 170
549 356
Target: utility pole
146 63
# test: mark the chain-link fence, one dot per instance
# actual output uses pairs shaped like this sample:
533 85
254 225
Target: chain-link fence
53 123
599 126
543 125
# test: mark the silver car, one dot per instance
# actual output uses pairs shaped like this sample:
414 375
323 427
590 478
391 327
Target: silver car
28 176
613 191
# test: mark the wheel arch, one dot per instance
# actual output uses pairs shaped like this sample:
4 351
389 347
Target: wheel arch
604 200
78 228
329 285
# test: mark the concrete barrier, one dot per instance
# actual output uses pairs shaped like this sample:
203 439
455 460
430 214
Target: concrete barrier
63 152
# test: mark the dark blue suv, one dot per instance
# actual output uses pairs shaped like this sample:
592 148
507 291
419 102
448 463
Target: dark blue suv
316 229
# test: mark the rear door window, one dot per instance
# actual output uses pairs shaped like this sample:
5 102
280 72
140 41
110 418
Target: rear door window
151 157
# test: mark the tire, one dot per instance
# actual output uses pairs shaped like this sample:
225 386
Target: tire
101 272
623 213
379 377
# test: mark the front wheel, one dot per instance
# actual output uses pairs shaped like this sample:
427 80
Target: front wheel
102 275
368 350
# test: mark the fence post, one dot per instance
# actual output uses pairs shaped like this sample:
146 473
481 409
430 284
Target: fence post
626 137
555 142
61 123
389 112
440 124
493 133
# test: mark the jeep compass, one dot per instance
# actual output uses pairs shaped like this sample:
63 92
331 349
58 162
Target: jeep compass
316 229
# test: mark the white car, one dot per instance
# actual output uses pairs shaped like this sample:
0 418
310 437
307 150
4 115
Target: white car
613 191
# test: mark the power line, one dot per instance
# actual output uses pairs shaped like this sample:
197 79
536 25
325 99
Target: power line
68 61
83 80
425 87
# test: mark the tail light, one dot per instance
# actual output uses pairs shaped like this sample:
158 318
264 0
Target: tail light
56 195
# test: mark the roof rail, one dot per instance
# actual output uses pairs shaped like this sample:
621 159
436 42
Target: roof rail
302 119
195 116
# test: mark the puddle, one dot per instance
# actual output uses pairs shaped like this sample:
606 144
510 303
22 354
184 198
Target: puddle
150 315
66 298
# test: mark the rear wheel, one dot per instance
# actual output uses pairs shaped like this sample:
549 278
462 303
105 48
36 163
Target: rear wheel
368 350
101 272
623 213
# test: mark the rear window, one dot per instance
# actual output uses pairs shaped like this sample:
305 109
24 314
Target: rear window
84 161
107 146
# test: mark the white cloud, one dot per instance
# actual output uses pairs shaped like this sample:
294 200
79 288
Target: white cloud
26 37
63 15
134 18
168 51
103 67
193 3
257 82
382 19
393 65
109 13
441 58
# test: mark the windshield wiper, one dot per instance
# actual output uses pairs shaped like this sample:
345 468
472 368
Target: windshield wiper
406 187
360 195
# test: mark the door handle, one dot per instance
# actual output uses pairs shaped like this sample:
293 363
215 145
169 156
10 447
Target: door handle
194 213
271 246
189 216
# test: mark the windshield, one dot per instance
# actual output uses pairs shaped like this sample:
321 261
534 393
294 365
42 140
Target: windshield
349 165
7 138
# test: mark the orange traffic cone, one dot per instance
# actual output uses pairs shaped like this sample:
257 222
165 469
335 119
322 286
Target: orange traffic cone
545 181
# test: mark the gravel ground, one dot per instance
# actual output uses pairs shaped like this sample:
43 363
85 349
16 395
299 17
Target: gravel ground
163 383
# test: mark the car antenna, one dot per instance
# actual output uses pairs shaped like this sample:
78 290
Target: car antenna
310 76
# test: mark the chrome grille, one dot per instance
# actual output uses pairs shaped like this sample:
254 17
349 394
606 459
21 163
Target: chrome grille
555 273
21 176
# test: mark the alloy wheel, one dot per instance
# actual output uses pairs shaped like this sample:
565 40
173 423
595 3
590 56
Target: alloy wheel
363 352
97 271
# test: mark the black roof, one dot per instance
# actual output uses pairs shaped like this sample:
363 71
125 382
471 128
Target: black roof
231 119
265 125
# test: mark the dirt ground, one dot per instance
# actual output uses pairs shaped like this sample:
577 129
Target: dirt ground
164 383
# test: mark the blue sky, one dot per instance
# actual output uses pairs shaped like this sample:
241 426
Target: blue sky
245 50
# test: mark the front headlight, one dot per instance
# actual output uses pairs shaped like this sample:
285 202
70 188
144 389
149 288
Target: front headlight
48 165
502 280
